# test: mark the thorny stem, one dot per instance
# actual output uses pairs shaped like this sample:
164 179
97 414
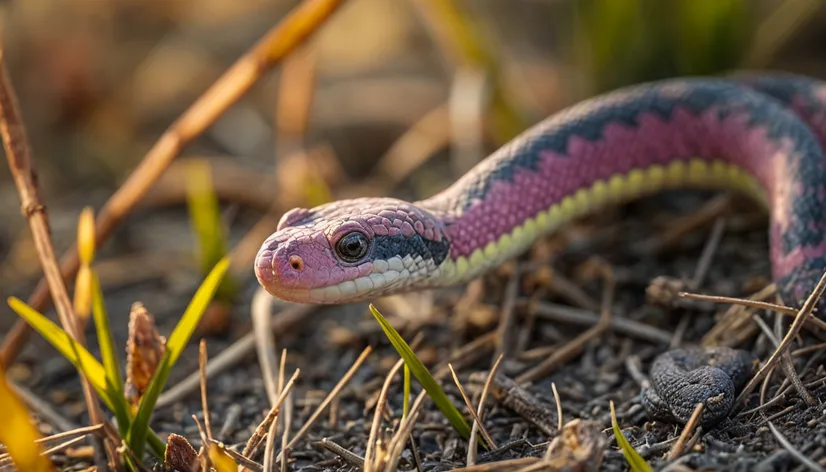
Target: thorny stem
21 164
295 29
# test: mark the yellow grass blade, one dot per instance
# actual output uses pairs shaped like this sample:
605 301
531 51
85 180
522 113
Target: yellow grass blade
18 433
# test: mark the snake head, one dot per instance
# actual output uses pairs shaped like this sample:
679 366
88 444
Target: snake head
351 250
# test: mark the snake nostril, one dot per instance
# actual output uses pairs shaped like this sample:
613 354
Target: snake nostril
297 263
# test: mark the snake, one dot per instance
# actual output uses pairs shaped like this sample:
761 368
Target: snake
759 134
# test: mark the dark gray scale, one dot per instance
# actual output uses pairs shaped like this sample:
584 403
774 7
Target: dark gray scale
387 247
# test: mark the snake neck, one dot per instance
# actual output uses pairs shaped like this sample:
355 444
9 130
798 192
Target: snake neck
635 142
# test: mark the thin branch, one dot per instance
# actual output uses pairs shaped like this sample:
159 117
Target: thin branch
21 165
679 446
293 30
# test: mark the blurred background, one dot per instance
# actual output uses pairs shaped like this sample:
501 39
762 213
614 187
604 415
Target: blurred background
391 97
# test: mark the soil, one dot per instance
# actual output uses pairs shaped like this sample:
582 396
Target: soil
327 341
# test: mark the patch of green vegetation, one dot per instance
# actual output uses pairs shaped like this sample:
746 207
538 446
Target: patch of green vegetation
634 459
106 377
423 376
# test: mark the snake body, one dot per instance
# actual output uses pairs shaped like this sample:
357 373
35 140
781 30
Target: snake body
763 135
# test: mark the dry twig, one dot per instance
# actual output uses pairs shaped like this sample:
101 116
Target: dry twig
679 446
801 317
472 443
255 440
576 345
293 30
333 393
21 165
370 455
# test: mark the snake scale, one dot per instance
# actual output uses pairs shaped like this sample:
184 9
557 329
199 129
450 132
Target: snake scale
760 134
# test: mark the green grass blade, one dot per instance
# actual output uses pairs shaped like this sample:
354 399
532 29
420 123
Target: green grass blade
108 353
207 224
406 404
423 376
156 444
174 347
634 459
205 213
68 347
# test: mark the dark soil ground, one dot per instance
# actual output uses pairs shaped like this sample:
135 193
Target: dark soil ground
326 342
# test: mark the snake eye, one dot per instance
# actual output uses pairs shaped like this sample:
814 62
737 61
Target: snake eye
352 247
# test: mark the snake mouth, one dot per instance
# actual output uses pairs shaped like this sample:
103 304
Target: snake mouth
383 277
264 270
354 290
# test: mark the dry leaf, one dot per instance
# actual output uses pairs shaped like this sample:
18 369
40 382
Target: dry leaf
144 350
180 455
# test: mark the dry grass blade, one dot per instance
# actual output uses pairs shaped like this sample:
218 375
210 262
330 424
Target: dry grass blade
471 449
333 393
255 440
369 459
679 446
473 413
24 173
801 317
558 405
62 446
501 466
627 327
75 432
400 438
269 463
293 30
203 454
783 310
285 443
202 362
576 345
